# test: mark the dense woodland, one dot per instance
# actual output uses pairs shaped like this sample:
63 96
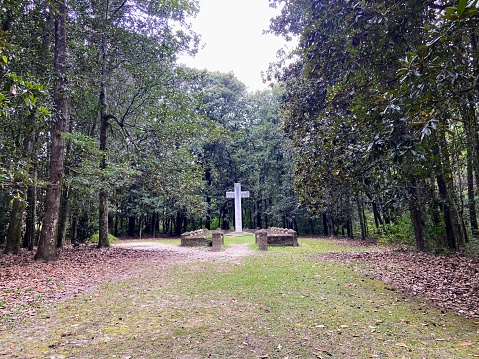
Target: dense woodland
370 129
381 105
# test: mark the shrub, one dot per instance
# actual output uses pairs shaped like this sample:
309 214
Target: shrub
95 237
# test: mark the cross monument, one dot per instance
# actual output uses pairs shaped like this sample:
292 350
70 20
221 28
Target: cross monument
237 195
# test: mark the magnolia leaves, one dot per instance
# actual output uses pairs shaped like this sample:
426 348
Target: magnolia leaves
462 10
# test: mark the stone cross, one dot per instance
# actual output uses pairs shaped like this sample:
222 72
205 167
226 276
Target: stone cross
237 195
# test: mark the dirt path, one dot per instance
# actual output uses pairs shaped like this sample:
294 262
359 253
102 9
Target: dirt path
233 251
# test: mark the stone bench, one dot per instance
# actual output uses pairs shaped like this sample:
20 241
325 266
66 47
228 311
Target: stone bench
281 237
196 238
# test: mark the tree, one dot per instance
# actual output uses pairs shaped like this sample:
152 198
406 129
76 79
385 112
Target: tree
24 107
344 107
47 248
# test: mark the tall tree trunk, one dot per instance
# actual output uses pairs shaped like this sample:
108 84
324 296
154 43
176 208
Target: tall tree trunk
259 222
446 209
208 197
361 219
378 221
142 221
131 226
64 202
178 223
117 220
416 216
31 213
349 226
471 164
331 225
471 197
64 213
47 249
14 234
325 224
74 229
104 118
455 236
266 217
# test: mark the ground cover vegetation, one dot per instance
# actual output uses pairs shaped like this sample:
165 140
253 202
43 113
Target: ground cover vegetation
174 302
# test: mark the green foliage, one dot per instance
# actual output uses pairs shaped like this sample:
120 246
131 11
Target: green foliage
401 232
374 104
111 238
215 223
472 247
86 227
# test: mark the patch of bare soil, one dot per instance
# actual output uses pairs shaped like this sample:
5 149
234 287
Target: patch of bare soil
449 281
26 285
190 253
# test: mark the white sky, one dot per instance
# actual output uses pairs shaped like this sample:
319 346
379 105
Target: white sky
231 32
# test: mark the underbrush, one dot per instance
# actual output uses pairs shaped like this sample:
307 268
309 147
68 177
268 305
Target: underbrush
95 238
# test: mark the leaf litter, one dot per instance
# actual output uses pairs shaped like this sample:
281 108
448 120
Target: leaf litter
451 282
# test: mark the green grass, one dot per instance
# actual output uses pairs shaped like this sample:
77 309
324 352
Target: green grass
279 304
237 239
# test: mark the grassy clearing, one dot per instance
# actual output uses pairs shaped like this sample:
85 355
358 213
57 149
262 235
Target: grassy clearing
276 304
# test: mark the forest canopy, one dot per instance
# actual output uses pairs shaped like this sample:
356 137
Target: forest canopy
370 129
381 104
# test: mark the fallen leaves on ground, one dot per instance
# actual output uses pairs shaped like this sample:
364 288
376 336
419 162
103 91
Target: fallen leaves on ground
25 283
452 282
449 281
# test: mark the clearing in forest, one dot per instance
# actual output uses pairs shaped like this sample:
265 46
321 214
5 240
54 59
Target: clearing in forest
154 299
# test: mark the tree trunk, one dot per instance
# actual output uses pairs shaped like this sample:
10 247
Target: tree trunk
73 229
377 215
117 220
104 118
131 226
31 213
416 216
14 234
208 197
446 209
259 223
471 197
142 221
471 164
178 223
103 219
64 213
361 220
349 227
325 224
456 237
47 249
331 226
31 216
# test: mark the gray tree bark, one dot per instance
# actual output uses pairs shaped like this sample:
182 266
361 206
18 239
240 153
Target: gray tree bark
47 249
